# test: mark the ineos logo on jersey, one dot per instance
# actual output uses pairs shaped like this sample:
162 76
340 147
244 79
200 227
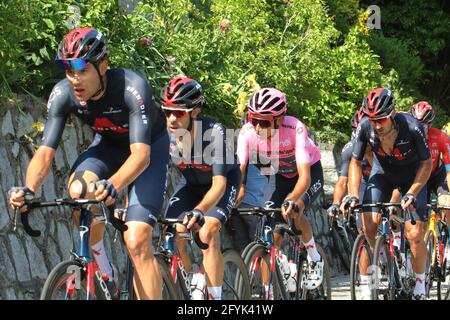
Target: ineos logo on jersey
56 92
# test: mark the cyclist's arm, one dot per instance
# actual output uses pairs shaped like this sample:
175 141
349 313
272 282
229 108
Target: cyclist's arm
214 194
426 162
340 189
140 132
303 182
355 167
39 167
243 168
354 177
422 176
137 161
58 111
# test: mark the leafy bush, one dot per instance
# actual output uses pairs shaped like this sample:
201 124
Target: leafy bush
231 47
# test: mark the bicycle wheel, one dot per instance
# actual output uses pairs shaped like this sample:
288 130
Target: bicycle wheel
236 285
430 264
382 284
342 244
170 291
68 281
264 284
323 292
360 248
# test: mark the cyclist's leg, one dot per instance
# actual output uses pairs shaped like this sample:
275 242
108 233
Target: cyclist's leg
93 164
210 234
146 197
415 235
183 199
244 227
378 190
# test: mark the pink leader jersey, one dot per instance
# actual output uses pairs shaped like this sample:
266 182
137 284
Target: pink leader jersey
281 153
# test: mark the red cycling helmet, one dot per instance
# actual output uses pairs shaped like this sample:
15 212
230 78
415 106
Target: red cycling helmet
267 102
423 112
357 117
379 103
182 92
88 44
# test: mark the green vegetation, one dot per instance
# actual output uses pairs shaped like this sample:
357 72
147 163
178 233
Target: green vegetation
318 52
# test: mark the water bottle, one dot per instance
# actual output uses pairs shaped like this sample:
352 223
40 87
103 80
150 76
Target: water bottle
292 281
198 286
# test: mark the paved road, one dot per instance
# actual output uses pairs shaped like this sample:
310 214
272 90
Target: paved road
340 288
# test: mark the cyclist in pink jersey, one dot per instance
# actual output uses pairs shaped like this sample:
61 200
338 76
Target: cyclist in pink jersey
279 145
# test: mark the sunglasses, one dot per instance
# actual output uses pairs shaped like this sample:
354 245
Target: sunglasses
178 113
381 121
262 123
77 64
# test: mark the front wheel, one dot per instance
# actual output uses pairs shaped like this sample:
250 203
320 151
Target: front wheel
361 259
383 284
69 281
236 284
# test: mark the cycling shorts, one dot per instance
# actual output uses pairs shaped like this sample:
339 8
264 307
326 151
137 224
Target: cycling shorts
146 193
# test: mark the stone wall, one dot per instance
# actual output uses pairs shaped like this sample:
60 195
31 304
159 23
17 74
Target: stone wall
25 262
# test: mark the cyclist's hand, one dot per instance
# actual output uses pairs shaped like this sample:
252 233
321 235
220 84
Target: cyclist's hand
333 210
408 200
353 202
289 209
104 191
17 197
197 218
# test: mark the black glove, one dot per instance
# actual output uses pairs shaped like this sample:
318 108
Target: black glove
333 210
409 196
288 203
194 213
108 187
29 195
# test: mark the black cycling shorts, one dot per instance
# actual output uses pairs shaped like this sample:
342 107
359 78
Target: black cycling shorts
188 196
146 193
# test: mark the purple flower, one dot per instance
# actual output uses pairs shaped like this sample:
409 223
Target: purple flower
146 42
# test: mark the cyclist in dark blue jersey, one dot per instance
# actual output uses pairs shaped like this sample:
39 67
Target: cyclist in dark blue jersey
199 149
130 149
340 189
401 160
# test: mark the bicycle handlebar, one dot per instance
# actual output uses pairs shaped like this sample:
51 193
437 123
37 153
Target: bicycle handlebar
384 205
107 213
194 234
257 211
